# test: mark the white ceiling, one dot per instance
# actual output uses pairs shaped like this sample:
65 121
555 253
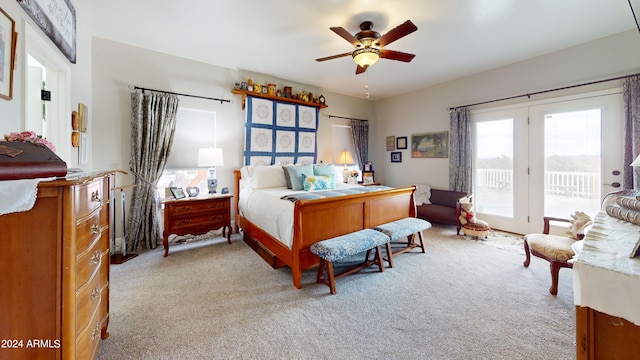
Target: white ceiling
283 38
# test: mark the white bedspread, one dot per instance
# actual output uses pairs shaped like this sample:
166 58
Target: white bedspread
264 208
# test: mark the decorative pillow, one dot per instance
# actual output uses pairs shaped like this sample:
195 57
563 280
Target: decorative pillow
295 175
323 169
268 177
287 176
422 194
319 182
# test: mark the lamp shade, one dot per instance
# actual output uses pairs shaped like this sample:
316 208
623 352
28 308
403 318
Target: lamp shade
210 157
636 162
345 158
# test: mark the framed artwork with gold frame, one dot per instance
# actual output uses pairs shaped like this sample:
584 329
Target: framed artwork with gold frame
8 38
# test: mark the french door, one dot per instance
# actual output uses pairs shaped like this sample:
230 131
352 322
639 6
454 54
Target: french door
548 158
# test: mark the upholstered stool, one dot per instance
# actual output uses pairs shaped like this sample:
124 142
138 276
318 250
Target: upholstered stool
476 229
406 227
340 247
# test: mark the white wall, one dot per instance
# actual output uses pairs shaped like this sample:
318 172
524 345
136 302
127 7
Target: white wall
12 112
116 65
427 110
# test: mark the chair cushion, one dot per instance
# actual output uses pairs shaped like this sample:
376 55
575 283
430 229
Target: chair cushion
554 247
403 227
350 244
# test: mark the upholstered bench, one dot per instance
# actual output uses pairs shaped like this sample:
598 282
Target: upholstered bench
340 247
406 227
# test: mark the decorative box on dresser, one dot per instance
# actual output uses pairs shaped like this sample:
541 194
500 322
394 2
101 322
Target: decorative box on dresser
54 260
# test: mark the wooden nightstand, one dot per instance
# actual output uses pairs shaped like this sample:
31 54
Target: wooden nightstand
197 216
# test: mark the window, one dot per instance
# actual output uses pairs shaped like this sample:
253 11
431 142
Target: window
195 129
343 140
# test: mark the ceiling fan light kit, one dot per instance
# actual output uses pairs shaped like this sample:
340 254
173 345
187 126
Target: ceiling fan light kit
366 56
369 45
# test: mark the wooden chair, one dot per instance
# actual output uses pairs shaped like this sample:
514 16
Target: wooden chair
555 249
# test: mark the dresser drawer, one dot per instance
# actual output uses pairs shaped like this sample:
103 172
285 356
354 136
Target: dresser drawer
90 196
91 229
89 338
87 302
195 206
92 261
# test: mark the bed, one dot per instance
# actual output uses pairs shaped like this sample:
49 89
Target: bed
281 231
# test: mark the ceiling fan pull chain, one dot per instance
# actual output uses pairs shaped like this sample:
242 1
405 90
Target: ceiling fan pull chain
366 87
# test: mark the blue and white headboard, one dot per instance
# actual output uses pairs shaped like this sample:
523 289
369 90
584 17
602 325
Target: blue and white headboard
279 132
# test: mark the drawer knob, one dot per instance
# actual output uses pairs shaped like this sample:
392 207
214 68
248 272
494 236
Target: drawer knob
95 293
95 228
96 331
95 196
95 258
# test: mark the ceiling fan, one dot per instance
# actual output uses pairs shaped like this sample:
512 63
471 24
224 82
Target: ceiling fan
370 45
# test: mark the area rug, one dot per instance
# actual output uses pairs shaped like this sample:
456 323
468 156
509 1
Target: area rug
504 240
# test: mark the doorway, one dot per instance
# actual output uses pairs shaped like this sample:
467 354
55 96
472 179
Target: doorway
548 158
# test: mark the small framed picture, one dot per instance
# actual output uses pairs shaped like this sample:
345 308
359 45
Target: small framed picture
368 166
367 177
401 142
177 192
391 143
396 156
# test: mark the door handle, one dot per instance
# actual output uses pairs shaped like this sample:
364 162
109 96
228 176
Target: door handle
614 184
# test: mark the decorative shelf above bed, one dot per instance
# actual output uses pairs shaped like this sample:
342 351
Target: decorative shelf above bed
246 93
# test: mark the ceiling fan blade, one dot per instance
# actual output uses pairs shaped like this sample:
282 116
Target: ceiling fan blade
396 33
396 55
346 35
360 69
333 57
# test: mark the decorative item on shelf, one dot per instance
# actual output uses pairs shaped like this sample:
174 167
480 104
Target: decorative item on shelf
237 85
272 88
243 86
309 97
249 85
321 99
287 91
257 88
346 159
265 89
279 93
211 157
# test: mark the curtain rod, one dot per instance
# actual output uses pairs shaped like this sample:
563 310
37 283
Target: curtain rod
546 91
348 118
133 87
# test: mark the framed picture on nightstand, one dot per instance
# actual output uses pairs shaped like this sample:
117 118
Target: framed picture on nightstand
177 192
367 177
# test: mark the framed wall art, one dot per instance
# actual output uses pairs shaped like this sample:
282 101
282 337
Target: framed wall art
430 145
391 143
401 142
57 19
396 157
8 37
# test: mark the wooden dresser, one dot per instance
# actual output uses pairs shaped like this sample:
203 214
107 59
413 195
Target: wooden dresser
54 260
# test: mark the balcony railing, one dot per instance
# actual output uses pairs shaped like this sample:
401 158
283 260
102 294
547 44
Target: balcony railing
573 184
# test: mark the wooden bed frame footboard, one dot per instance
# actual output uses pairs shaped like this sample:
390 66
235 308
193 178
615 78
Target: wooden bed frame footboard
316 220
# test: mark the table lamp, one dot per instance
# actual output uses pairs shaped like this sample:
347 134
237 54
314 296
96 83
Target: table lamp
346 159
211 157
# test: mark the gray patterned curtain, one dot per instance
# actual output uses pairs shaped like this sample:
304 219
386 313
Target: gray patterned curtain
460 153
360 133
153 122
631 94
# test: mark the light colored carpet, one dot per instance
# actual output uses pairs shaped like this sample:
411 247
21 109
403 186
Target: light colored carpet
460 300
